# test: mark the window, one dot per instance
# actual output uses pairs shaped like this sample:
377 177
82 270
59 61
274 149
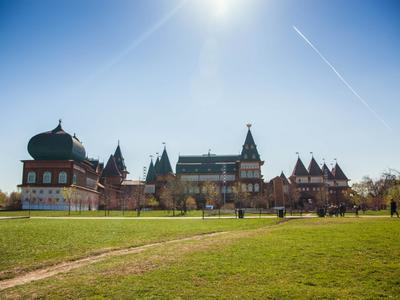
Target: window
244 187
256 187
256 174
253 156
250 174
62 177
245 156
31 177
243 174
74 179
250 187
47 177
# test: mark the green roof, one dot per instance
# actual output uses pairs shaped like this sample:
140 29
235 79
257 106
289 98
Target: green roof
207 164
313 168
157 165
327 173
299 169
111 168
249 150
338 173
119 159
151 174
56 145
208 158
164 164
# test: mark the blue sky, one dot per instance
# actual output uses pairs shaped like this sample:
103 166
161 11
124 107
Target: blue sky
193 73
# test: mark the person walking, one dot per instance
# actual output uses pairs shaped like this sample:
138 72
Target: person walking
357 209
393 208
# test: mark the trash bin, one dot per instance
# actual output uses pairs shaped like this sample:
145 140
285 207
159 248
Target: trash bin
281 213
241 213
321 212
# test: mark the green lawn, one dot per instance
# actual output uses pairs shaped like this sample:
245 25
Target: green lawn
304 259
31 243
160 213
112 213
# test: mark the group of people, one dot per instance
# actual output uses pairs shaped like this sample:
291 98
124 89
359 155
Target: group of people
336 210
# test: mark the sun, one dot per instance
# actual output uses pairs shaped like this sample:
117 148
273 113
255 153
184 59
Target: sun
220 7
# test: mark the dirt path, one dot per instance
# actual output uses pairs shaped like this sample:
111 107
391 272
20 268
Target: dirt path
70 265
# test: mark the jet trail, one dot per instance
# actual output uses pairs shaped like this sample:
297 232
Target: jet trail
377 116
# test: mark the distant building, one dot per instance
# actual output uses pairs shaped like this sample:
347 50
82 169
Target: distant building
59 177
309 187
226 171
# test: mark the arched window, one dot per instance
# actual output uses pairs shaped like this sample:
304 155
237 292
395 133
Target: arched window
47 177
74 179
256 187
62 177
244 187
250 187
31 177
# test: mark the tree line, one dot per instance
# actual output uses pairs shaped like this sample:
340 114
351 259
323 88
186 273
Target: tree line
11 201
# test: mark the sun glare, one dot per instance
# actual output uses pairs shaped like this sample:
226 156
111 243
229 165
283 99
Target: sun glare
220 7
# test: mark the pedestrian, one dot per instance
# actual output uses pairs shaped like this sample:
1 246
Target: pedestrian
393 208
356 209
342 209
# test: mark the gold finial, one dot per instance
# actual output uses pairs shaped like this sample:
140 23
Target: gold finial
248 125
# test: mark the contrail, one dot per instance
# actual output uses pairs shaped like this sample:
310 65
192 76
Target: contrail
140 39
377 116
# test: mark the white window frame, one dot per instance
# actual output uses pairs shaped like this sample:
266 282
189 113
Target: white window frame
31 178
62 177
47 177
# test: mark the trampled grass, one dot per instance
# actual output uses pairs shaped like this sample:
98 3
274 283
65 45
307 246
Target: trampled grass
305 259
31 243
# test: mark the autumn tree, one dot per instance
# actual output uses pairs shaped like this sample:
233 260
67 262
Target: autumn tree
240 194
3 199
191 203
209 190
14 201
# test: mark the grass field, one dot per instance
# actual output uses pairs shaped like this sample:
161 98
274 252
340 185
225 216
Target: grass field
31 243
345 258
112 213
155 213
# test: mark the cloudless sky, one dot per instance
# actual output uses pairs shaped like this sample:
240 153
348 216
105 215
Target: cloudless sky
193 73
